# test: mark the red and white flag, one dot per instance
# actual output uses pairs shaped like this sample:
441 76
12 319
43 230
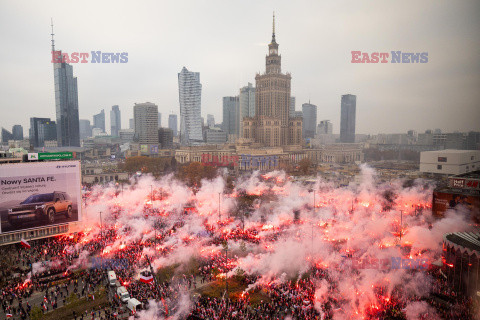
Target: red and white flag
165 305
146 278
25 244
9 315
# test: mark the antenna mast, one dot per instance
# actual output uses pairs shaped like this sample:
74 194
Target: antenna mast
52 34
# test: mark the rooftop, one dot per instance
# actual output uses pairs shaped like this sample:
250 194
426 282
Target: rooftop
468 240
469 175
451 151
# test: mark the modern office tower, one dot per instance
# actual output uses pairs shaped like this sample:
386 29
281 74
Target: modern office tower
66 101
42 129
165 138
210 121
131 123
17 131
190 98
172 123
115 121
146 122
85 129
291 111
229 114
272 125
159 120
246 106
325 127
309 120
47 132
6 135
347 118
99 120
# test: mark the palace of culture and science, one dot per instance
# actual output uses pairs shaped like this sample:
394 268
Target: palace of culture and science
272 125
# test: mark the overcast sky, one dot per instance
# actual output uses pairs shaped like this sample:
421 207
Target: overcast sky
226 41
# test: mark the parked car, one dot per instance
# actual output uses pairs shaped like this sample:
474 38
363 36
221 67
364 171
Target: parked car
40 207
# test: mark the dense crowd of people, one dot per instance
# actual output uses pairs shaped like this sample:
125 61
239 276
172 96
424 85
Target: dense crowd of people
59 267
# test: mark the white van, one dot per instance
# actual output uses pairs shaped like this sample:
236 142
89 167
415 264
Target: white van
122 294
134 305
112 277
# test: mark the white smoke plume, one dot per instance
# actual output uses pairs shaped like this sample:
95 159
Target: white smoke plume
336 229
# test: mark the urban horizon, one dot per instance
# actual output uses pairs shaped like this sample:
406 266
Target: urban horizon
212 94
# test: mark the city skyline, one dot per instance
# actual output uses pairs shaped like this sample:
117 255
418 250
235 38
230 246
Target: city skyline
439 94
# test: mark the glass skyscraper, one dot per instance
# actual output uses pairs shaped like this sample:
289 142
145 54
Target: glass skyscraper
309 112
99 120
115 121
172 123
17 131
41 130
190 96
230 105
246 107
347 118
66 103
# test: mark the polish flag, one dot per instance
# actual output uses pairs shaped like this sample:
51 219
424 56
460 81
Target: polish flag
9 315
25 244
146 278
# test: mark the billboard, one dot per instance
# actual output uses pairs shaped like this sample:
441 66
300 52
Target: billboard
445 199
464 183
39 194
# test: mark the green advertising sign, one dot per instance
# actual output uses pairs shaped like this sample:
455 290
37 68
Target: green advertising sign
55 155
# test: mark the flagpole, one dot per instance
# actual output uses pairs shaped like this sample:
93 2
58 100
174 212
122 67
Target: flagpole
153 274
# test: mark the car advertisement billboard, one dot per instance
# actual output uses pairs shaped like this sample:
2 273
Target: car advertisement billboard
39 194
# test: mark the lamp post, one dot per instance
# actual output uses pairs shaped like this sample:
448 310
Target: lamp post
401 224
312 239
314 208
154 276
226 264
219 214
101 227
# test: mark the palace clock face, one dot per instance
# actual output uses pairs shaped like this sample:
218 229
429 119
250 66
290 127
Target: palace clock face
273 51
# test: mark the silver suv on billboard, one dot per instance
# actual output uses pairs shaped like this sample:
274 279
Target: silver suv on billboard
41 207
